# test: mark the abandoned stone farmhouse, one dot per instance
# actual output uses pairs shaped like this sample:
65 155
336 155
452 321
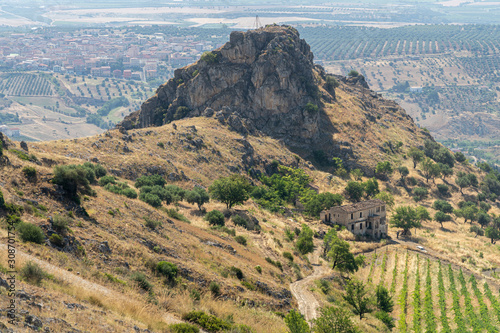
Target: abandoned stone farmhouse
366 218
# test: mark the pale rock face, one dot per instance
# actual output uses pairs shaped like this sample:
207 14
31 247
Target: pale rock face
266 76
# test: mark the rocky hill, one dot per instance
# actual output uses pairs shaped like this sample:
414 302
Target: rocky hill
264 81
105 253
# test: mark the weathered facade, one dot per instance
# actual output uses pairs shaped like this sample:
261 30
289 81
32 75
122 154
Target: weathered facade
366 218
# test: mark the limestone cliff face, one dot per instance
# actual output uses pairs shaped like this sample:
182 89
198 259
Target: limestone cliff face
264 82
262 79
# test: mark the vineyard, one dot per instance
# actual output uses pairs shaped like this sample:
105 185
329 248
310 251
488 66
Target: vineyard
346 42
430 296
25 85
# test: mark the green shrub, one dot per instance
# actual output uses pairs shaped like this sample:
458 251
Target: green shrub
121 188
183 328
325 286
385 318
289 235
238 220
258 269
288 255
420 193
30 233
13 219
442 206
14 209
98 169
60 223
150 199
142 281
160 192
2 200
73 179
23 156
33 273
176 215
331 82
443 189
241 240
195 295
214 288
107 180
150 180
215 217
30 173
248 285
208 322
296 322
233 190
275 263
180 112
225 229
150 223
167 269
412 181
209 57
305 240
314 203
353 73
56 240
129 193
178 194
311 108
237 272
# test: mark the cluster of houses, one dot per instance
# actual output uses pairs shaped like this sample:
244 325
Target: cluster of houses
92 52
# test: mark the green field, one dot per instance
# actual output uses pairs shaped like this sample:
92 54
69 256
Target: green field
431 296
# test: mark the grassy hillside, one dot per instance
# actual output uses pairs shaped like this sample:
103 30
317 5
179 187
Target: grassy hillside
115 242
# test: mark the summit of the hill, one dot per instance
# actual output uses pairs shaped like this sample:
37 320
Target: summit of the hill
264 81
265 77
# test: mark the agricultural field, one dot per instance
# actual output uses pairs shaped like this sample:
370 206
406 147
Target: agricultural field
48 106
433 296
455 67
331 43
25 85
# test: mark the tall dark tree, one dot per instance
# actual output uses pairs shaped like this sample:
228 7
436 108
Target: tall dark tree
354 190
405 217
356 296
416 155
384 299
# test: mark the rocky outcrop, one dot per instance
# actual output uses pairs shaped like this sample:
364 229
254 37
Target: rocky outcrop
265 77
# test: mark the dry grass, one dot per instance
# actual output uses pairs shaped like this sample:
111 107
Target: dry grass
133 245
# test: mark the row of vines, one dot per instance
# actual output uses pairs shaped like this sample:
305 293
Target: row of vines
427 300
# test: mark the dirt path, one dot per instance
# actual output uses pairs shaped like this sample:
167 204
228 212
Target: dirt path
308 304
78 282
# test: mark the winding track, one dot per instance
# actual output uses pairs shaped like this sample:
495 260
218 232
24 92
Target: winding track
308 304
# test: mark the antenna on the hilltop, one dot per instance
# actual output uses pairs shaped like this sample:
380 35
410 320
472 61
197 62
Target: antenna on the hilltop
257 24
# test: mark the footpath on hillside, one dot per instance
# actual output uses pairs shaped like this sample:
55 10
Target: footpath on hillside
308 304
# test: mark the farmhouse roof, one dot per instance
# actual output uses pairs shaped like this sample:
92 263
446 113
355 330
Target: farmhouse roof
361 205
